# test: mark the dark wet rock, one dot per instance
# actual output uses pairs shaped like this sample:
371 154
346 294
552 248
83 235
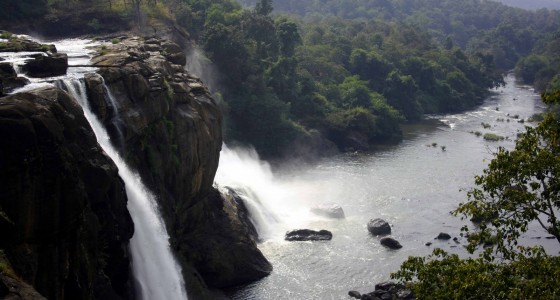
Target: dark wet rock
96 95
391 290
174 53
443 236
370 296
385 286
7 70
239 213
20 44
65 227
386 296
379 227
355 294
9 80
13 288
390 243
428 244
222 242
53 64
308 235
329 210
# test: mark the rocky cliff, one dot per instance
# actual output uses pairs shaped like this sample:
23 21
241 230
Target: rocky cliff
63 217
170 129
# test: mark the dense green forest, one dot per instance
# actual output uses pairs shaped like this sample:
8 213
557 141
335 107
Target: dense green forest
348 71
352 81
507 33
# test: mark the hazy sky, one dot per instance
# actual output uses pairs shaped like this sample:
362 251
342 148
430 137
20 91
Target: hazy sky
533 4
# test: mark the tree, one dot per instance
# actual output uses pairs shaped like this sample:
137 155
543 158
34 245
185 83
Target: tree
264 7
519 187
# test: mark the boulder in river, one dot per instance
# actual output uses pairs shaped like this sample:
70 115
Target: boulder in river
443 236
379 227
390 243
389 290
329 210
308 235
54 64
355 294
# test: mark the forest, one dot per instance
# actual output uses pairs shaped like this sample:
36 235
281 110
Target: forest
346 71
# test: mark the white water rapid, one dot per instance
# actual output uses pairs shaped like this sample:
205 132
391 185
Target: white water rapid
157 274
276 204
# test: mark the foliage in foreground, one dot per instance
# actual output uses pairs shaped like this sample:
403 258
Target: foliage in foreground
518 188
446 276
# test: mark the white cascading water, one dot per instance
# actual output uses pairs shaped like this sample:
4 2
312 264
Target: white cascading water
155 270
274 205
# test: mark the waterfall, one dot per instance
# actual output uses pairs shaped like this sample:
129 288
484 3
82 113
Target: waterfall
274 205
156 273
116 121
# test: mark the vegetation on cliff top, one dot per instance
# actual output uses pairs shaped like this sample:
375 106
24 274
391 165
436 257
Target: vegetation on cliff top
351 81
346 71
520 187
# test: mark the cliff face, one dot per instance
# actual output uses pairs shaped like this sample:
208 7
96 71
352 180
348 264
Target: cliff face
170 130
63 217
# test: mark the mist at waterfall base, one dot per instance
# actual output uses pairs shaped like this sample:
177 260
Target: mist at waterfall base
412 185
156 273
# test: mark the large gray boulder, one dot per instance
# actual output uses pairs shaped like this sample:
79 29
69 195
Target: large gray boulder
379 227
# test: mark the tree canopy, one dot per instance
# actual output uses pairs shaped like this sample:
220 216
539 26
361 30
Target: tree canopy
519 187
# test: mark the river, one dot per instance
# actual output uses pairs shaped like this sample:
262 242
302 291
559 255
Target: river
412 185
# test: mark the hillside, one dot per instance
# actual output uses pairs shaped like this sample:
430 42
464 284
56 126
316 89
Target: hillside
336 75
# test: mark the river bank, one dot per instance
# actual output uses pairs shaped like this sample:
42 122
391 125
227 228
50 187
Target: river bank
413 185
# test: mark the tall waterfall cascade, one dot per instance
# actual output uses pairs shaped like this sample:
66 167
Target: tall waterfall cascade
156 273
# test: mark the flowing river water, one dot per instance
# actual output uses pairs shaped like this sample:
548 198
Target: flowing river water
412 185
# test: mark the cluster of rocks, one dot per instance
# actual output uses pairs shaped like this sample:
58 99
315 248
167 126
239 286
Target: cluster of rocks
379 227
326 210
14 43
388 290
45 62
